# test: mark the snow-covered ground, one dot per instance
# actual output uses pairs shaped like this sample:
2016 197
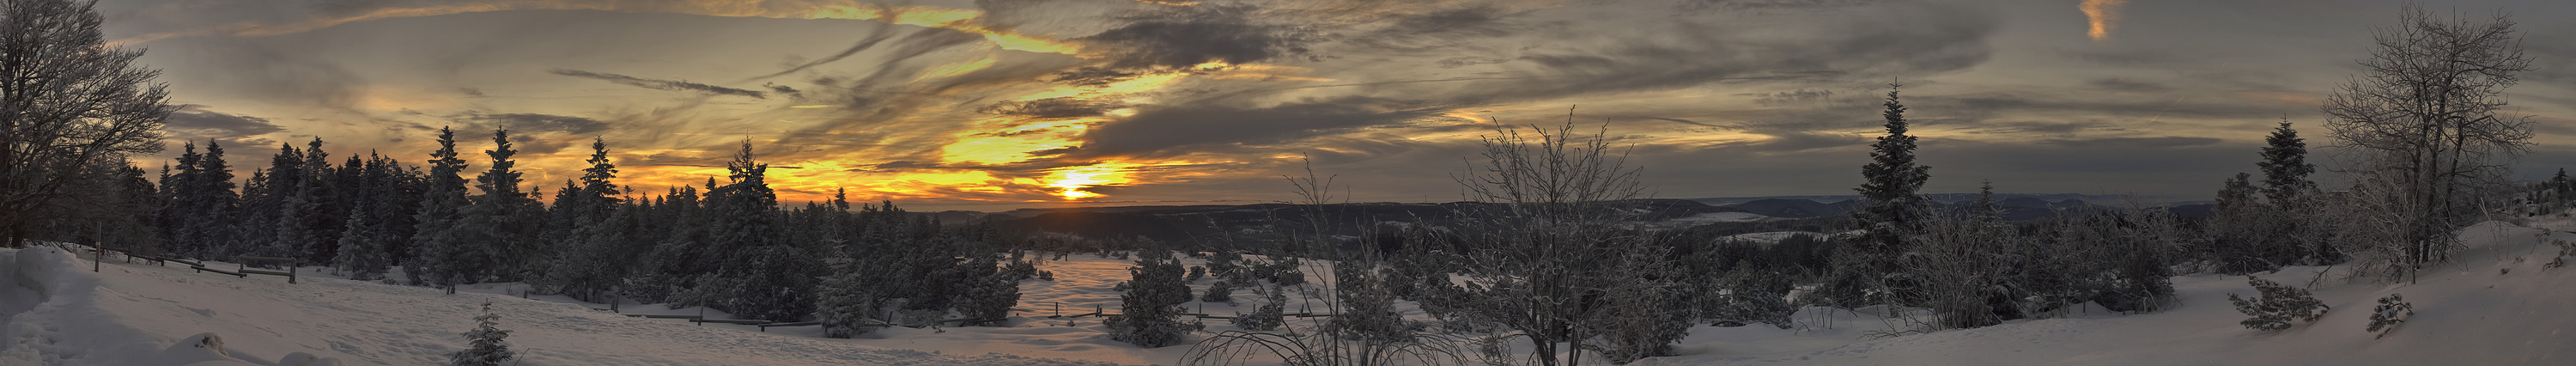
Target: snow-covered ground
2495 304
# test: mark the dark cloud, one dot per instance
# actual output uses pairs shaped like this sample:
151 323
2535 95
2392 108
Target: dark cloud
1181 37
195 120
2136 142
1172 129
529 123
2126 85
877 34
1061 107
1800 97
1912 41
658 84
1760 5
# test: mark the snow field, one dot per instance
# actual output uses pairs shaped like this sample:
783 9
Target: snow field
2494 304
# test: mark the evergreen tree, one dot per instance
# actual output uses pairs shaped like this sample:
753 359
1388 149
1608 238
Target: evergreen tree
2238 237
484 347
1890 186
2285 167
201 196
499 224
1149 312
442 255
761 277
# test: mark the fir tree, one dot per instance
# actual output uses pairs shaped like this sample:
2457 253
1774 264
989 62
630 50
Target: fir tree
498 223
484 347
2285 167
1890 186
441 255
1149 313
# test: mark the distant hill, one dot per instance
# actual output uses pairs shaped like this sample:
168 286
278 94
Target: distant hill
1213 223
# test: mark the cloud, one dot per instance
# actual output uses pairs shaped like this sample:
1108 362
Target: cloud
2137 142
1178 129
196 120
2102 15
657 84
1181 37
1060 107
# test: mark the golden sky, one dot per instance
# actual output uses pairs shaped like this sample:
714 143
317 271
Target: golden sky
1000 104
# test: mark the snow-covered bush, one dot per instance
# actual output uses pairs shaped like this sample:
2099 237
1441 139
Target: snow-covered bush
2392 310
1271 313
1021 269
485 347
1225 263
1221 291
845 305
2277 305
1365 310
1150 310
989 298
1196 272
1046 275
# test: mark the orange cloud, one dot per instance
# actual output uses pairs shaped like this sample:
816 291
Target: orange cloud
2103 14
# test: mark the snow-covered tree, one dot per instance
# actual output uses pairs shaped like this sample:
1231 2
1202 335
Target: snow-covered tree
2276 305
483 344
1869 272
74 106
2430 124
1149 313
441 255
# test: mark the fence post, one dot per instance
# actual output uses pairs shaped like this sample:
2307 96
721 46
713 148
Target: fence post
293 267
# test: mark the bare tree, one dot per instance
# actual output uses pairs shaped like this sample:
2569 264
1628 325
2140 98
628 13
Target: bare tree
1556 261
68 103
2426 118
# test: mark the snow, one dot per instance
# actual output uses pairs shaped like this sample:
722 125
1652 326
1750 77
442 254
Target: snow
2493 304
2471 311
129 314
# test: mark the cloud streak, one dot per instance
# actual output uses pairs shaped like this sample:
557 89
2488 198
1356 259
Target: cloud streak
658 84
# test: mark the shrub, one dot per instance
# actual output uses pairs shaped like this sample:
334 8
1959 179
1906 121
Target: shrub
2277 304
1151 307
2392 310
1270 315
1221 291
1196 272
486 348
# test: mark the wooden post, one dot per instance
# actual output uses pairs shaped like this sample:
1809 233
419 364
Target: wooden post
292 267
100 257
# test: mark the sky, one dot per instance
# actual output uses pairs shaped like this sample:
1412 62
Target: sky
1001 104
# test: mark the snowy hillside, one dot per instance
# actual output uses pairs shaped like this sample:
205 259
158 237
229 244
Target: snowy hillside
2495 304
62 314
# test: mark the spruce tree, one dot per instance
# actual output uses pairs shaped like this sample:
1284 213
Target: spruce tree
483 344
1893 206
765 277
441 254
2285 167
499 222
1149 312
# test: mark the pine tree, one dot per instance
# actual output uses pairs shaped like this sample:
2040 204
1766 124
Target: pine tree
1149 313
498 224
771 279
484 347
441 253
2285 167
1890 186
2238 239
